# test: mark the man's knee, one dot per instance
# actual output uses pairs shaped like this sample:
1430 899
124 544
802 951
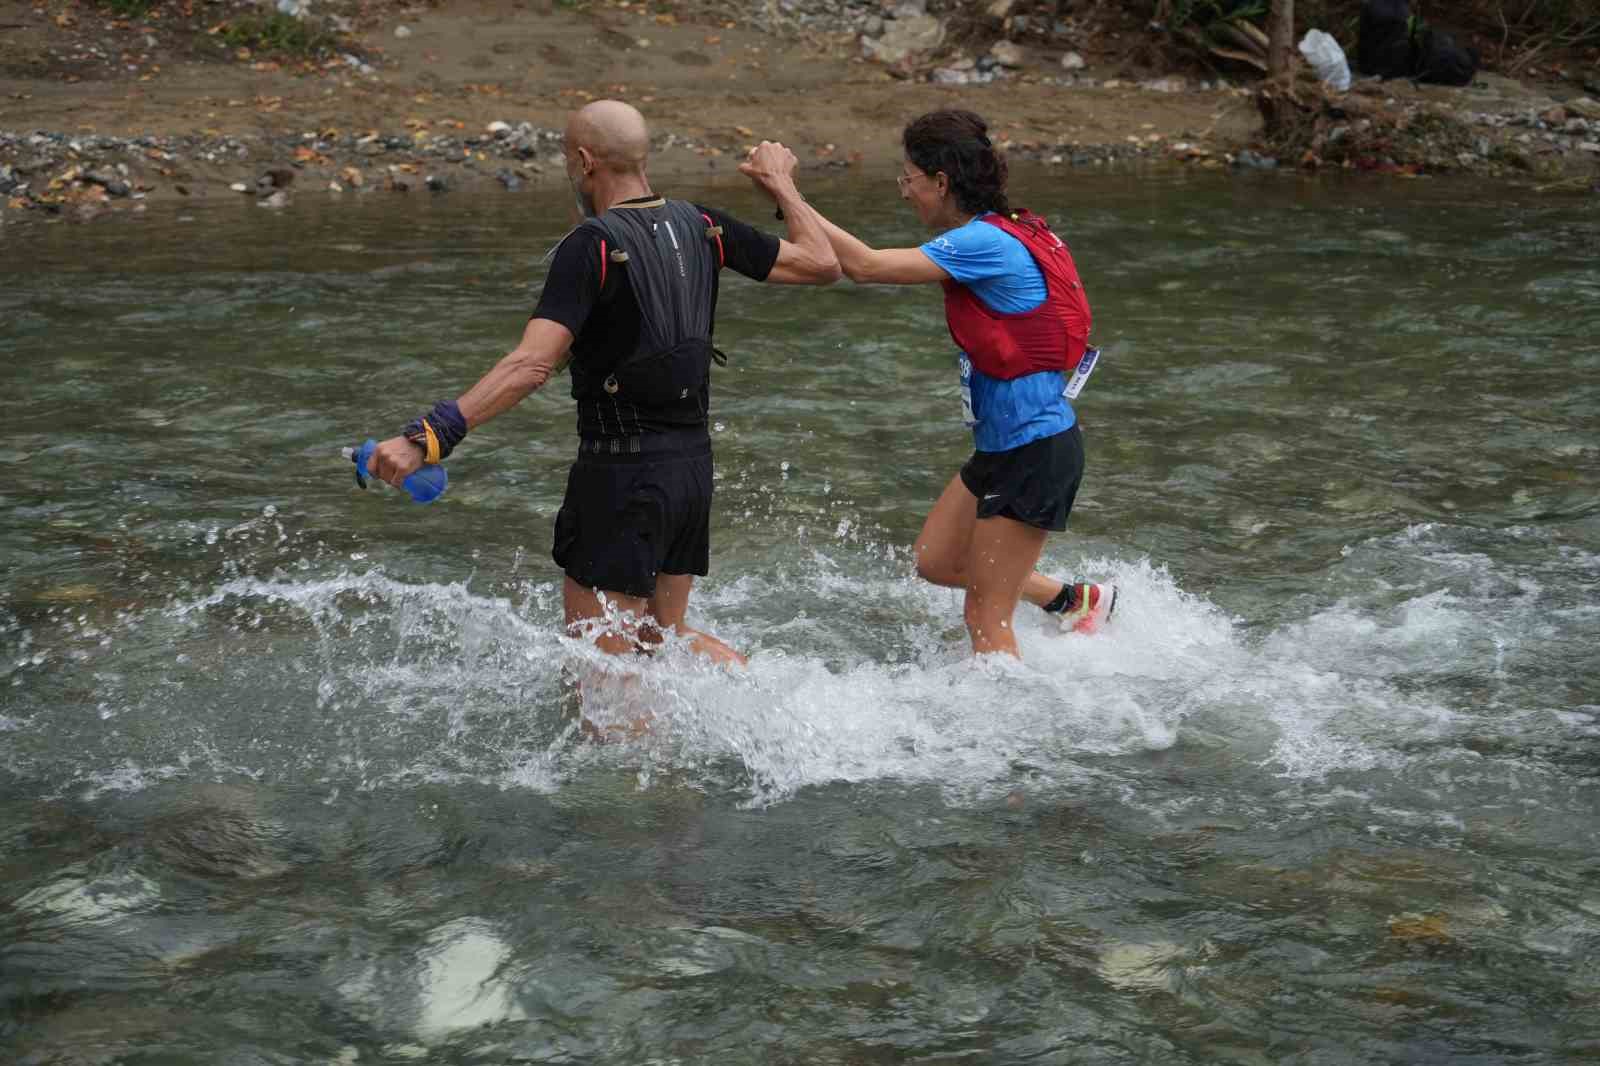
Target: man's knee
611 621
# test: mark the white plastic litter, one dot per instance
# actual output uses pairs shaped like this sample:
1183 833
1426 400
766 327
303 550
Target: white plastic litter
1327 59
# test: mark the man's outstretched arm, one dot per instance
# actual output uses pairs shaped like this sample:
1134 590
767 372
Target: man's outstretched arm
524 370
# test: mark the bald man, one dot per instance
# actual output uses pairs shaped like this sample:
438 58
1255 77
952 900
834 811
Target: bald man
629 300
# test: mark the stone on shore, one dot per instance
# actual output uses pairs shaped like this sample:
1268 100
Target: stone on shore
903 39
1584 107
1008 54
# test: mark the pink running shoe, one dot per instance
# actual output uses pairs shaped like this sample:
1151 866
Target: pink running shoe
1091 607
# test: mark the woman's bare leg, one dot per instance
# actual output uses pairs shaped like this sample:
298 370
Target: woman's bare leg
945 545
1003 554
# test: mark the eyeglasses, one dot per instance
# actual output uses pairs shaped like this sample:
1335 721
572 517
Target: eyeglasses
904 180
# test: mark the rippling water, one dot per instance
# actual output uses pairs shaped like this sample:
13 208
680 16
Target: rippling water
289 772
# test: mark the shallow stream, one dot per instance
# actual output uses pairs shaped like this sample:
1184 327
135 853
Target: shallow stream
289 772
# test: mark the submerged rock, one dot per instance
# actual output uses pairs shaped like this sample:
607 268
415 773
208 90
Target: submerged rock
1254 160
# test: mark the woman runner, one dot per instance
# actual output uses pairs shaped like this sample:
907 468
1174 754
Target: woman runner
1016 308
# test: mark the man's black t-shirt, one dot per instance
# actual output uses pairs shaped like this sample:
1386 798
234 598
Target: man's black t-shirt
604 320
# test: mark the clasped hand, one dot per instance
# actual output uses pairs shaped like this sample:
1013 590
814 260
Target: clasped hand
771 166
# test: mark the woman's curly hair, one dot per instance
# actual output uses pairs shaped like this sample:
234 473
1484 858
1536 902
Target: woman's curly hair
956 143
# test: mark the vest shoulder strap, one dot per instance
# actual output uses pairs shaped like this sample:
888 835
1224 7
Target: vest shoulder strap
714 233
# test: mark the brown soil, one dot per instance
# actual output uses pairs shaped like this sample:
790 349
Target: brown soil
720 86
70 67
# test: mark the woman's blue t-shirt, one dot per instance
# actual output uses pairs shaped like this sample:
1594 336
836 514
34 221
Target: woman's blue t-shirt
1000 272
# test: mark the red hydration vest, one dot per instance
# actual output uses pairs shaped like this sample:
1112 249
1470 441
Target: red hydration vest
1050 337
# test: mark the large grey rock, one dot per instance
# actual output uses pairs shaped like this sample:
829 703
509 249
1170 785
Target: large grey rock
1170 84
904 38
1583 107
1007 54
1488 92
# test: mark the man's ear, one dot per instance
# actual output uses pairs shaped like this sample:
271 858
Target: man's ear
585 160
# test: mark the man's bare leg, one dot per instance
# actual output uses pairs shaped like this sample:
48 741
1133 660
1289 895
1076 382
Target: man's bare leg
668 607
613 622
632 625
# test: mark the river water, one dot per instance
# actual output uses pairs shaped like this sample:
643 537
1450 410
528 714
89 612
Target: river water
289 772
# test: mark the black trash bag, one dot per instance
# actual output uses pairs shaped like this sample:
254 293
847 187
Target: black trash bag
1441 61
1383 43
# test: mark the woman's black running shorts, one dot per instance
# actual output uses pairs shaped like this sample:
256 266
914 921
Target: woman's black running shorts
1034 484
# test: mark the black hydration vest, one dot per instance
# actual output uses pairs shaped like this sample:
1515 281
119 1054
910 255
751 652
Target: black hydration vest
672 253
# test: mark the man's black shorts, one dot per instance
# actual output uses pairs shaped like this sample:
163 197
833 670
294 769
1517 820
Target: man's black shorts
628 517
1034 484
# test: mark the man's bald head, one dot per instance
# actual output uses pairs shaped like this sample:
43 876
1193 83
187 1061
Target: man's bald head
614 133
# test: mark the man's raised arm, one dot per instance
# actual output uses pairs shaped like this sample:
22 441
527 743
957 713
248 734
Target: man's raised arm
806 258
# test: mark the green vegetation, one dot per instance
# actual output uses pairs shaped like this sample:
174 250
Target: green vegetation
277 32
129 9
1515 26
1202 14
1507 156
1564 22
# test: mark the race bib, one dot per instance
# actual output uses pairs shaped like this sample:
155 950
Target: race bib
1080 376
967 416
